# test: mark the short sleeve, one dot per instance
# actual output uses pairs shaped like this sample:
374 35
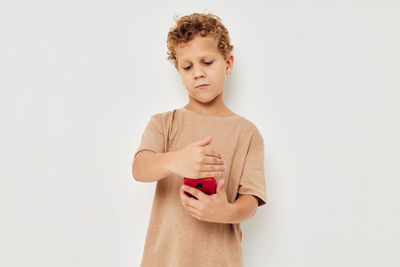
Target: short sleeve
153 136
252 181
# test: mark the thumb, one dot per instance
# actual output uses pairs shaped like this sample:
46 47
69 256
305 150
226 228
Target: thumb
205 141
220 185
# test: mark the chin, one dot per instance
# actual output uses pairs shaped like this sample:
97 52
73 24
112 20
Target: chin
206 99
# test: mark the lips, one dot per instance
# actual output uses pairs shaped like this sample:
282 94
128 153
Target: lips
202 85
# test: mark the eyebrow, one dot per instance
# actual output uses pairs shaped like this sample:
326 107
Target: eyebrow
201 57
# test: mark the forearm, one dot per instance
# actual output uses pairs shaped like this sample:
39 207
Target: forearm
242 209
150 167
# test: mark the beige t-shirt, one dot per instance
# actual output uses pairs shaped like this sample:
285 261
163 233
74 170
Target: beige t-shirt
175 238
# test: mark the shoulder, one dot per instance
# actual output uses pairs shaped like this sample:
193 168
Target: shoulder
164 119
250 128
163 116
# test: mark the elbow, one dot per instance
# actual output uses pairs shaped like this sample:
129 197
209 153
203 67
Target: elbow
135 173
255 206
253 212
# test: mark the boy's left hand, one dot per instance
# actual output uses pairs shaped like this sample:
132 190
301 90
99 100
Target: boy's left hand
210 208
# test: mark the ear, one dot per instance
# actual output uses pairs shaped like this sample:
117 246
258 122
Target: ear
229 64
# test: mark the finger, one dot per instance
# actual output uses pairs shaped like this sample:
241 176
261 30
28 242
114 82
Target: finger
205 141
211 152
208 174
192 203
220 185
211 168
194 212
183 196
195 192
213 160
187 200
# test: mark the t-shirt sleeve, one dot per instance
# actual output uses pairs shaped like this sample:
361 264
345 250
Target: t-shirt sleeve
252 181
153 136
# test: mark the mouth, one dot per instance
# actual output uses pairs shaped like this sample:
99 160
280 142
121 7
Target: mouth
202 85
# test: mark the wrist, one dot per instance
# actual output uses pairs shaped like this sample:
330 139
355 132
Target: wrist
229 214
169 160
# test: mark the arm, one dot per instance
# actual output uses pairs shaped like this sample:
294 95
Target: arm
242 209
194 160
216 208
149 166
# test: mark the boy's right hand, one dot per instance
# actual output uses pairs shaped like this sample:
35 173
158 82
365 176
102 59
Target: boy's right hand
196 160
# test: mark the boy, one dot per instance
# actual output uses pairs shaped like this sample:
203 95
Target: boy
202 139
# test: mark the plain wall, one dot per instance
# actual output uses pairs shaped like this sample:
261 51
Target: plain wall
79 81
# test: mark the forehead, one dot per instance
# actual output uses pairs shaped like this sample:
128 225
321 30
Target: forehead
197 48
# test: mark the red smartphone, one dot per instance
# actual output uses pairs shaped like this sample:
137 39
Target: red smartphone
207 185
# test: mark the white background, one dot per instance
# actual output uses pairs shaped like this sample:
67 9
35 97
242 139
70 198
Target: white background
80 79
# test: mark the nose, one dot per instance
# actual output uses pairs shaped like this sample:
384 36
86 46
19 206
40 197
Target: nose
198 73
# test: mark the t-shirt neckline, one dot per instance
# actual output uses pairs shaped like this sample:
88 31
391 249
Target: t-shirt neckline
209 117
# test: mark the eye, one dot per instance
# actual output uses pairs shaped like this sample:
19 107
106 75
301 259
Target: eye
205 62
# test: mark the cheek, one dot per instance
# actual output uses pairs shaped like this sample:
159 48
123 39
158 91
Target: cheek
220 76
220 71
185 78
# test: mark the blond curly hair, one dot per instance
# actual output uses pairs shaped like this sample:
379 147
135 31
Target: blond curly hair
203 24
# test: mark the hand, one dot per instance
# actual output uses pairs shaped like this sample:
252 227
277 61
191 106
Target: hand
210 208
196 160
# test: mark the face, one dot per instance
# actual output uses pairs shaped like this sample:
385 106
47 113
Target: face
200 62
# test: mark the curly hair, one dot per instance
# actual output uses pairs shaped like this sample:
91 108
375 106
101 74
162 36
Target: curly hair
205 25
